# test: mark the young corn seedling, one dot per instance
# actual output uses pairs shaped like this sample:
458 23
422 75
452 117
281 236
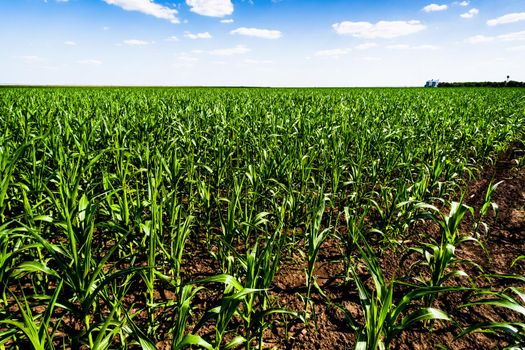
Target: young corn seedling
13 242
229 228
180 232
107 330
384 317
387 208
484 210
440 256
180 339
315 236
8 162
260 265
39 330
152 230
182 311
511 299
179 228
355 225
234 295
83 275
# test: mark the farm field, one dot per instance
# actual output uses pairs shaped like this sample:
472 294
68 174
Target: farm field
226 218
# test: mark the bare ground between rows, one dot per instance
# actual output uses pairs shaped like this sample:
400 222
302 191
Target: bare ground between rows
504 243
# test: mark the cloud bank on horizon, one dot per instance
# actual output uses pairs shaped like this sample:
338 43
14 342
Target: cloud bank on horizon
260 42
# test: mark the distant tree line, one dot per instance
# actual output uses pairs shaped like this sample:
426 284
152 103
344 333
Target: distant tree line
510 83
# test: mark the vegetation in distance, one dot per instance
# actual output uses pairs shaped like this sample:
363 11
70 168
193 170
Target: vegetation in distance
496 84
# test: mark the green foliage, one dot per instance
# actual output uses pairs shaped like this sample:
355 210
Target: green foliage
384 318
114 193
493 84
440 256
511 299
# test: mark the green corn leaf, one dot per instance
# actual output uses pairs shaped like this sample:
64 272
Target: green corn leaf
511 305
51 305
34 266
235 342
45 218
226 279
423 315
194 340
82 207
492 327
515 261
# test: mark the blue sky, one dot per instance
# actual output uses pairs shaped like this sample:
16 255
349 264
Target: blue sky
260 42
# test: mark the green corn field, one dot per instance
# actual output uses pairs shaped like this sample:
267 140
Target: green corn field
172 218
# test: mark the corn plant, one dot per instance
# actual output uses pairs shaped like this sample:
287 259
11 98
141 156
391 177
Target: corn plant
82 274
355 226
38 329
315 236
13 242
511 299
234 295
485 206
384 317
260 265
8 162
180 338
440 256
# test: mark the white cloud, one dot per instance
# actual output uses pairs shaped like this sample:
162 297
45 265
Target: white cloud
516 36
70 43
31 59
371 59
435 7
481 39
398 47
172 38
183 65
90 62
333 53
257 62
211 8
147 7
366 46
237 50
516 48
381 29
506 19
230 51
194 36
227 21
412 47
469 14
425 47
464 3
135 42
258 33
186 58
